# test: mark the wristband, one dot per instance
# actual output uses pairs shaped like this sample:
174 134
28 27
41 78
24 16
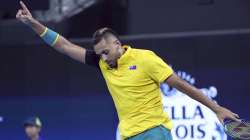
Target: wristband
49 36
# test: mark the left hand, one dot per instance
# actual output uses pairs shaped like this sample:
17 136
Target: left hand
224 113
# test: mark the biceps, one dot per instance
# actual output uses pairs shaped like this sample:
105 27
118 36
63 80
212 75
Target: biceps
176 82
76 52
172 80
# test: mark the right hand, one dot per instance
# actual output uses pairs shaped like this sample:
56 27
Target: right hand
224 113
24 14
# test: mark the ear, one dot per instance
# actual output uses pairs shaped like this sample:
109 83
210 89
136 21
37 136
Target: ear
39 129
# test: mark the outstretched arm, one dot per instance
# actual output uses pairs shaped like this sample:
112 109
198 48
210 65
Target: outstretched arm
196 94
60 44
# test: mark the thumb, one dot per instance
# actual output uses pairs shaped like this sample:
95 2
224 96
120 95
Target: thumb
236 115
221 121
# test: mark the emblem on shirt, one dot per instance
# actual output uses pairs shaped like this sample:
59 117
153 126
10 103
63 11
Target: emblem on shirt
133 67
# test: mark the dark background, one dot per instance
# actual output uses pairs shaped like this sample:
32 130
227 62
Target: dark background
207 38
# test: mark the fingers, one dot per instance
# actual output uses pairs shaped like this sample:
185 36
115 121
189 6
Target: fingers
23 6
221 121
237 120
25 9
21 16
228 115
236 115
19 13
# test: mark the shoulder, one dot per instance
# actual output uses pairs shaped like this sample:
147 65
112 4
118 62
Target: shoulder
143 56
142 52
91 58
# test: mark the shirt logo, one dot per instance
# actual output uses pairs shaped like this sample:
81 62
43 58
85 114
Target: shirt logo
132 67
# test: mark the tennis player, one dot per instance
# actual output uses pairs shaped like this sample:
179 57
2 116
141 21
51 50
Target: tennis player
133 77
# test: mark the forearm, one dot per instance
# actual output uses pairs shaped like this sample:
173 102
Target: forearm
196 94
36 26
40 29
52 38
193 92
61 43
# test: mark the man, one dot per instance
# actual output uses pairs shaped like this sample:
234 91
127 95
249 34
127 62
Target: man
32 128
133 77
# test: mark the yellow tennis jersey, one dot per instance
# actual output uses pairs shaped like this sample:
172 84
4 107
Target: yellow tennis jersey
135 89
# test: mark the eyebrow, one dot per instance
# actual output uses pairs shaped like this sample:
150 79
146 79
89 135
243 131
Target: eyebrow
102 51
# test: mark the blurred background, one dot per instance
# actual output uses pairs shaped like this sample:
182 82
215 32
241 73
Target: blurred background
208 40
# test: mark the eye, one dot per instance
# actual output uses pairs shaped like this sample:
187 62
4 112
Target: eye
106 52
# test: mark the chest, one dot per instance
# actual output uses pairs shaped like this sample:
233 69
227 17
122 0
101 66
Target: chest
126 75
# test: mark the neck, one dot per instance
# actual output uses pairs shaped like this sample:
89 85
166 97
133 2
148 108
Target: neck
122 51
35 137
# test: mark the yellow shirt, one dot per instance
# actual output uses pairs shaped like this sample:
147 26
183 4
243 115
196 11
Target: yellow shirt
135 89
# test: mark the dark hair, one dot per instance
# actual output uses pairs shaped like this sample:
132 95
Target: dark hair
103 33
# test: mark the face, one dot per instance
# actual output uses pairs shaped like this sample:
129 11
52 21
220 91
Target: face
109 49
32 131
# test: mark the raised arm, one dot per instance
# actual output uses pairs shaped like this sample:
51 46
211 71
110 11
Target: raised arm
196 94
53 39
